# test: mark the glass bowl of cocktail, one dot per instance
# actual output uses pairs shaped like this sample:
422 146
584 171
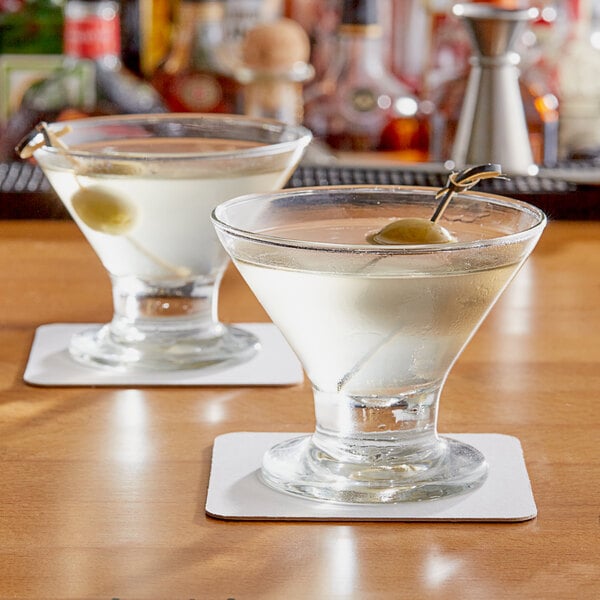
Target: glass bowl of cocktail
141 188
377 325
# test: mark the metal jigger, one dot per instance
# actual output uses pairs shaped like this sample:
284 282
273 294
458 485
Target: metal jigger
492 126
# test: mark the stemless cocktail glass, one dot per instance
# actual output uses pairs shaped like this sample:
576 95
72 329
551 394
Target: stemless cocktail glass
142 188
377 328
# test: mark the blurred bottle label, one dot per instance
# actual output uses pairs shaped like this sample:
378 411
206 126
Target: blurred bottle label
92 36
199 92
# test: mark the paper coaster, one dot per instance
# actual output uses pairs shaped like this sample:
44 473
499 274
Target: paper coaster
51 365
236 492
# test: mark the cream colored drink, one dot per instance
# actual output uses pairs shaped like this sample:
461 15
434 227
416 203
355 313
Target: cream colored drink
153 221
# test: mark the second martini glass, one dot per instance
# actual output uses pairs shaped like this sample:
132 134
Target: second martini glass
141 188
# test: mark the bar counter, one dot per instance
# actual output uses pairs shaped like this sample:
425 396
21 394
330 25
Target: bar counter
102 490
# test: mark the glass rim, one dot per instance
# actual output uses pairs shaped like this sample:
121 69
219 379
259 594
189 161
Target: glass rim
302 136
366 248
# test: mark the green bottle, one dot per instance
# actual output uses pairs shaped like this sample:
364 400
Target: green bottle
36 28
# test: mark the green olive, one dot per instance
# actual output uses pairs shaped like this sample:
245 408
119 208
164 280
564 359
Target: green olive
103 210
412 231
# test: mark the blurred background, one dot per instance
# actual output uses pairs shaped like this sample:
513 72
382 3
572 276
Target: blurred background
384 78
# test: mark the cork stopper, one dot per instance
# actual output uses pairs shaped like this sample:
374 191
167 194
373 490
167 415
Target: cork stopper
275 46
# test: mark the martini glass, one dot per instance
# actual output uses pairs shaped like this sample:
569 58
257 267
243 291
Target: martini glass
141 188
376 327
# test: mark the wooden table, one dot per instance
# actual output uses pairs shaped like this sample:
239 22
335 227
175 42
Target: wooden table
102 490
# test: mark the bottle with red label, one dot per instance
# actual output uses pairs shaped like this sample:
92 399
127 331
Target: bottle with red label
90 81
193 78
93 31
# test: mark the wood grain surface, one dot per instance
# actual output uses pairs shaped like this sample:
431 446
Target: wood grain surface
102 490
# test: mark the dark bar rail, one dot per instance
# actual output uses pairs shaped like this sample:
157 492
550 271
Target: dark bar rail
26 194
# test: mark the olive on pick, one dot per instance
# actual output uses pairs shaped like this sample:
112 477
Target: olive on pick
413 230
416 230
103 210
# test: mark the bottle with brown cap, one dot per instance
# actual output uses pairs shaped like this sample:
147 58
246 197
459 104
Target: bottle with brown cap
360 105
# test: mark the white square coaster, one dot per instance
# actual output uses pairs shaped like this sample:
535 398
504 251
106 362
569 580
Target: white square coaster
50 364
236 492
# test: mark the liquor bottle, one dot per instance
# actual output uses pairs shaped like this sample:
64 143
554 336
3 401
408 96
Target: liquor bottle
193 78
411 42
93 31
450 47
320 20
91 44
359 105
578 71
145 34
33 27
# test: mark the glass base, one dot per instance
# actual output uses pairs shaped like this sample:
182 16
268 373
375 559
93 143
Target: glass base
443 468
164 351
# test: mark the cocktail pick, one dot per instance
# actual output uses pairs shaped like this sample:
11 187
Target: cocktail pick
26 147
417 230
100 209
461 182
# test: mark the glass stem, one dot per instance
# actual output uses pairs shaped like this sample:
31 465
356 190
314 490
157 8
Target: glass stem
366 429
141 308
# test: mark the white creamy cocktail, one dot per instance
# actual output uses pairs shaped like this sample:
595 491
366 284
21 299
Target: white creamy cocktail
142 188
376 327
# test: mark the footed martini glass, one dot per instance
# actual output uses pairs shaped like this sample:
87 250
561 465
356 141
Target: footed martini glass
377 326
141 188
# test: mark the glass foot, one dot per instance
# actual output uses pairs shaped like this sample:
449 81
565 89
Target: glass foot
99 347
444 468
